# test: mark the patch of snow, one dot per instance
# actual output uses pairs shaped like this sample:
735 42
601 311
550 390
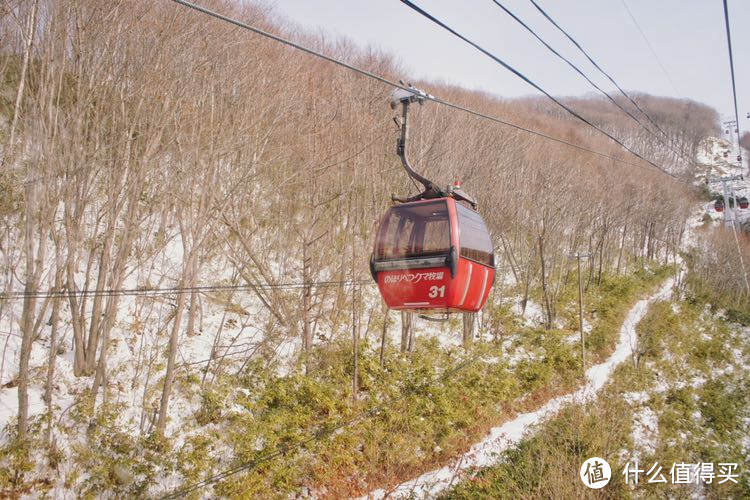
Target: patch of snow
645 432
532 316
576 337
633 398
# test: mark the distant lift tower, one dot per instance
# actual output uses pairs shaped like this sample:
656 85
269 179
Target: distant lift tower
733 131
729 220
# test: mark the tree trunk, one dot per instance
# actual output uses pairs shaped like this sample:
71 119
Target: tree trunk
55 320
383 337
545 292
622 245
355 343
34 264
468 329
412 343
306 296
117 278
406 326
96 309
29 39
161 422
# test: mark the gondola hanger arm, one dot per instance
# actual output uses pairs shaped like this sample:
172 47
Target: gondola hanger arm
405 97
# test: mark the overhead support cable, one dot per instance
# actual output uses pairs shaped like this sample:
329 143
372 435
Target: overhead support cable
650 47
526 79
111 292
391 83
734 85
580 72
596 65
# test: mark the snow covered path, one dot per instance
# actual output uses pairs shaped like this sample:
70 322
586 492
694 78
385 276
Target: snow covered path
487 451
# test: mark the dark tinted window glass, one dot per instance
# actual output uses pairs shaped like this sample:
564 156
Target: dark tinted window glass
414 230
473 236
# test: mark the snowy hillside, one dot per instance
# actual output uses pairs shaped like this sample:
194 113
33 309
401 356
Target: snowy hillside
717 159
187 217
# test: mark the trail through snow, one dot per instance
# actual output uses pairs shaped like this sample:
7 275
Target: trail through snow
487 451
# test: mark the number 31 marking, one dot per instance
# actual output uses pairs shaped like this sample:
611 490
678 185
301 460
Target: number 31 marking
437 291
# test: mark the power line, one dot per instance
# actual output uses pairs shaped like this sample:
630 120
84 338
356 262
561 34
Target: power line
532 83
320 434
579 71
111 292
594 63
731 68
651 48
381 79
534 132
217 357
11 334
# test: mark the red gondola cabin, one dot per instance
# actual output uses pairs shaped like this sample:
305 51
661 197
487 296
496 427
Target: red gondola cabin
743 202
719 205
433 255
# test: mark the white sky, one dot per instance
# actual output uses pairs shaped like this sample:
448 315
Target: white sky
687 35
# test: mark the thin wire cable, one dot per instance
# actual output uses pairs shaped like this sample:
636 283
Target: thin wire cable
381 79
526 79
321 433
537 133
11 334
177 289
650 47
580 72
734 85
594 63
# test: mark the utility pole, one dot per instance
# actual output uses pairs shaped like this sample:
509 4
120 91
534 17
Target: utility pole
356 294
729 221
355 342
578 257
732 221
382 338
732 129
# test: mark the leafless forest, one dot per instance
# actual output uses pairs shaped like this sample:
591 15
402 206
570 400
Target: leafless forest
145 148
